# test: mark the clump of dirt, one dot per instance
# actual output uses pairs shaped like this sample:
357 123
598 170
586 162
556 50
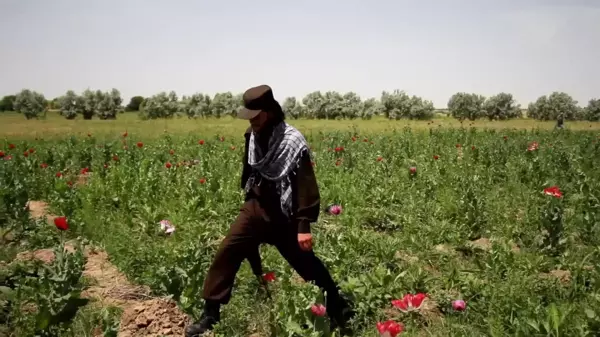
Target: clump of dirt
445 249
482 243
564 276
154 318
39 210
402 256
45 255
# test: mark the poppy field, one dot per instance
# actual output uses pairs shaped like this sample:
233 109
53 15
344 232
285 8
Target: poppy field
430 232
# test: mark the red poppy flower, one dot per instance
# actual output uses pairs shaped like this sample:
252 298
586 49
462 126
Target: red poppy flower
58 174
412 170
233 147
105 166
365 140
318 310
436 157
458 146
269 277
553 191
11 146
410 302
115 158
505 137
389 328
43 165
125 134
338 162
533 146
201 142
171 152
85 170
168 165
26 154
61 223
353 139
31 150
1 154
70 183
379 158
202 180
473 147
140 144
339 149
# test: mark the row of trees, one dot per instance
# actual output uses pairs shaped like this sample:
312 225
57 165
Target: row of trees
316 105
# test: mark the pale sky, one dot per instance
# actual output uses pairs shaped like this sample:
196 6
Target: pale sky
429 48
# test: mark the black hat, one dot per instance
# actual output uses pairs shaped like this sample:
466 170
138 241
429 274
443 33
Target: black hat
257 99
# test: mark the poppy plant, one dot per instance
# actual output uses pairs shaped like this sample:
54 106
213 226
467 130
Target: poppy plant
334 210
459 305
61 223
11 146
168 165
533 146
58 174
318 310
140 144
201 142
553 191
43 165
436 157
389 328
1 154
202 180
269 277
410 302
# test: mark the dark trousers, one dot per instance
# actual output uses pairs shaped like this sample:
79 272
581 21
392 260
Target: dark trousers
252 227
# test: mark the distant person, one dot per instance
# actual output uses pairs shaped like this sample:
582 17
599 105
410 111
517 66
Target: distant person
560 121
282 200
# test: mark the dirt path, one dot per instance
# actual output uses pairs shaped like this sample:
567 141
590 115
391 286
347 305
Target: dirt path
143 314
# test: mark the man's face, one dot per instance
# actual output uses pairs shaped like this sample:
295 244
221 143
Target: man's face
258 122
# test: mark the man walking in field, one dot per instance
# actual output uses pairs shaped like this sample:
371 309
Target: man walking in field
282 200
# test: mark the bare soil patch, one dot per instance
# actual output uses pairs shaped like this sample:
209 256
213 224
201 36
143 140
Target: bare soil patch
564 276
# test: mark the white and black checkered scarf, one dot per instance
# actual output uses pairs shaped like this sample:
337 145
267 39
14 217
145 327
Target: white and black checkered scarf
286 146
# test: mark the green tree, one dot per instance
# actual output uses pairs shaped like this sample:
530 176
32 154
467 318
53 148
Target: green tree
502 107
557 104
592 111
134 103
463 106
31 104
71 105
7 103
399 104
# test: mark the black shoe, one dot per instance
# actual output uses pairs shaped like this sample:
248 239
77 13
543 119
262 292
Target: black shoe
340 312
206 323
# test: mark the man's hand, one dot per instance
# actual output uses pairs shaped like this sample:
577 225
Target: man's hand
305 241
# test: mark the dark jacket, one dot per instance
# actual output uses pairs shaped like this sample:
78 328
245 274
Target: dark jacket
305 191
